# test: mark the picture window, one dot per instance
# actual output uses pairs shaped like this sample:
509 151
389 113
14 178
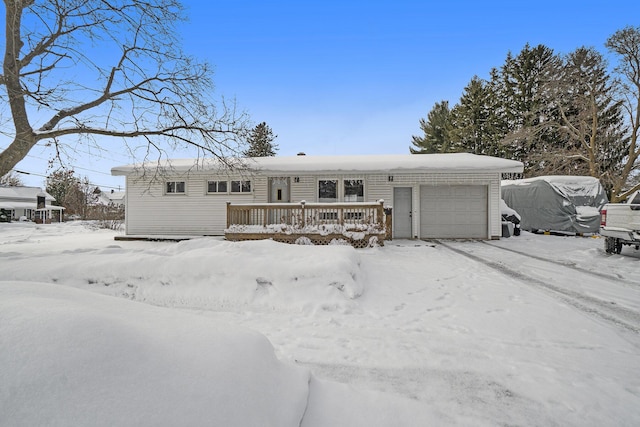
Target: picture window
327 190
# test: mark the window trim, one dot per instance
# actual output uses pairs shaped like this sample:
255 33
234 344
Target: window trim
337 181
175 192
217 181
344 190
340 190
241 181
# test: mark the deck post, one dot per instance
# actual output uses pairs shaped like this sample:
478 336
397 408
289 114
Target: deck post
304 219
228 214
381 214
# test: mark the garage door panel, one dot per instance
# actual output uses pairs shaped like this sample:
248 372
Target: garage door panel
457 211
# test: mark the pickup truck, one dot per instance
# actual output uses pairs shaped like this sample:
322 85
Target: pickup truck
620 224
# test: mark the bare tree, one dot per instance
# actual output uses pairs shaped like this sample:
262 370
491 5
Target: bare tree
588 118
98 68
625 43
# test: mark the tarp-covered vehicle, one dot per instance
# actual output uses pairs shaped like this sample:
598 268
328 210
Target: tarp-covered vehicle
565 204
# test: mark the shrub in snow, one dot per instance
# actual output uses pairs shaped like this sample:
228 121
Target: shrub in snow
303 240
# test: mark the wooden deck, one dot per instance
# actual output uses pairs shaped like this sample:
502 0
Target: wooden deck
359 224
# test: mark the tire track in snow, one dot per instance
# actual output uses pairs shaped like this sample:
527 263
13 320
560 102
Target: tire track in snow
616 277
620 316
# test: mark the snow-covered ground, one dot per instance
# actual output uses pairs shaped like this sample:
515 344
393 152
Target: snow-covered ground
531 330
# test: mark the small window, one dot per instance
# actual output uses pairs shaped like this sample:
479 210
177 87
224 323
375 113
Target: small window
216 186
353 190
241 186
175 187
327 190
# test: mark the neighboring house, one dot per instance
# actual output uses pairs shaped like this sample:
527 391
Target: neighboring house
110 199
560 203
29 202
432 195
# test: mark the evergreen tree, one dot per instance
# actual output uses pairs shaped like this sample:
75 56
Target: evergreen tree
524 109
70 191
475 125
436 129
261 142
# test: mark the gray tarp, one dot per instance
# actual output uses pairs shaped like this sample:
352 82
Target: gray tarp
556 203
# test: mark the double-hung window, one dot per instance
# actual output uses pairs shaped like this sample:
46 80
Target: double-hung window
175 187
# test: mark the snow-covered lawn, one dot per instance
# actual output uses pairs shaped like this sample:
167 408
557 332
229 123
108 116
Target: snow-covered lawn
412 333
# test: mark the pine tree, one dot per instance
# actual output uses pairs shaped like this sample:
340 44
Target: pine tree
475 126
70 191
261 142
437 130
524 106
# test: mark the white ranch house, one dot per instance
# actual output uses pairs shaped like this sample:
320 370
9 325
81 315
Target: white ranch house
431 195
30 203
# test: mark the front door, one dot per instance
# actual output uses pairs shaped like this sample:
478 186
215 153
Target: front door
402 212
279 190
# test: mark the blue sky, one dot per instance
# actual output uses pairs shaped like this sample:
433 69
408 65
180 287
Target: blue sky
355 77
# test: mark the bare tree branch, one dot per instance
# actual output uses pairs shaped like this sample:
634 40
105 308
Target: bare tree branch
109 68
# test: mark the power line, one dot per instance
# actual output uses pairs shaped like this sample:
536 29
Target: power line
119 187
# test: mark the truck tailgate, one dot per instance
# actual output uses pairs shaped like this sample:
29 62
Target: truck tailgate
623 216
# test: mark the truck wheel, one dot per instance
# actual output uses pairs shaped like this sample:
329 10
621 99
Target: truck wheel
618 247
609 245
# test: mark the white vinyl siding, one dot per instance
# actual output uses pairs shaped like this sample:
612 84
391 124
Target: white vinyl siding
150 212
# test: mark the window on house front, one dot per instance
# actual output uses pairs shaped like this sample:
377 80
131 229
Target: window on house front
175 187
241 186
327 190
216 186
353 190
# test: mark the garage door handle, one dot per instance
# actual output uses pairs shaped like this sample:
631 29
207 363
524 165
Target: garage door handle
410 214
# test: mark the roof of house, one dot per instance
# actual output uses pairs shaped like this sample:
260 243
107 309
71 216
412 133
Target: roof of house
105 198
460 162
24 193
24 198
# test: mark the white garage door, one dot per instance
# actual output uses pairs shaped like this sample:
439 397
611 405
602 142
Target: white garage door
453 211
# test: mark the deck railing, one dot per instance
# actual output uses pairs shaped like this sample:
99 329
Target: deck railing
302 215
307 219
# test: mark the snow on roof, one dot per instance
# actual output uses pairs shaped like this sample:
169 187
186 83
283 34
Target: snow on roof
26 193
461 162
